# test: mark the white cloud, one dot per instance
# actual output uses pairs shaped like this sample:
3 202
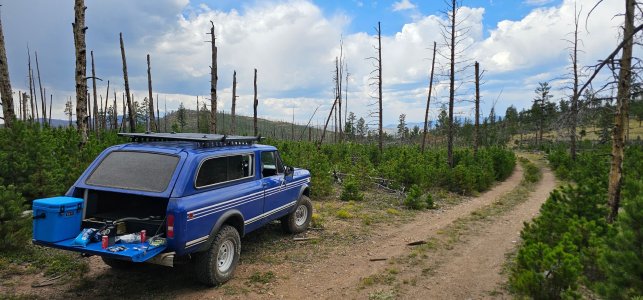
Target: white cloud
403 5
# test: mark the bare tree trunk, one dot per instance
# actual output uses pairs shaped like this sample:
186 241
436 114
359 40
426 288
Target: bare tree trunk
621 115
81 69
451 84
198 115
104 124
132 120
35 98
339 89
89 113
43 96
153 125
95 111
213 83
476 140
158 114
5 85
574 104
123 126
330 114
428 100
31 90
379 85
256 103
115 123
233 126
51 100
24 106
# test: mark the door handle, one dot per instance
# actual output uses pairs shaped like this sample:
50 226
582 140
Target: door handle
264 184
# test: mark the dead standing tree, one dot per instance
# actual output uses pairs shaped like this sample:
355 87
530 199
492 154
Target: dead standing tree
453 35
213 82
428 100
43 97
132 118
95 111
377 64
476 139
79 29
5 84
152 122
615 180
233 126
575 96
256 103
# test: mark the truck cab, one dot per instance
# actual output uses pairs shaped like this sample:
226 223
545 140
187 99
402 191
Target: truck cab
179 196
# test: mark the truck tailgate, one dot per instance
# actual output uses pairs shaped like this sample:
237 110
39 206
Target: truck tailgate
130 254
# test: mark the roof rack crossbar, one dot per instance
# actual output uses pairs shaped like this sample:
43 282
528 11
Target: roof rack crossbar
203 140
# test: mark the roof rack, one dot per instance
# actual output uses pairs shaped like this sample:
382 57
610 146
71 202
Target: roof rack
202 139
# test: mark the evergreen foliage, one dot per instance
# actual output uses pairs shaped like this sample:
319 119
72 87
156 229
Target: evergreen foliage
570 243
14 228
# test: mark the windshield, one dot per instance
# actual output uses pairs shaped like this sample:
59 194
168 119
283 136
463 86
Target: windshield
143 171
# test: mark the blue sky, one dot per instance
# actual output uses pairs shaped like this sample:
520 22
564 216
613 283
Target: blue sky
293 44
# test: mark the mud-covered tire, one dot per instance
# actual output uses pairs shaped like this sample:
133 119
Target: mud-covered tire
299 219
216 265
117 263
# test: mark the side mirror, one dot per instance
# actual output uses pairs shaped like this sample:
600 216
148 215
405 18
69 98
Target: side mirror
289 171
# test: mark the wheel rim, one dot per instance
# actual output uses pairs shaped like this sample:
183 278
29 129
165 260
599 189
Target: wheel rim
301 214
225 256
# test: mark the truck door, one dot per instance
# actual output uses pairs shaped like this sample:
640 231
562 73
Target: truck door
279 196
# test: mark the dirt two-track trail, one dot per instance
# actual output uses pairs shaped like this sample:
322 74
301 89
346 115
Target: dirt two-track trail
470 270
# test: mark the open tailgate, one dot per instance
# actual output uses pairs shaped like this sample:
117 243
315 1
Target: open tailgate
140 254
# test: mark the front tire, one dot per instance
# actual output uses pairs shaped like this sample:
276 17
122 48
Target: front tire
298 220
217 264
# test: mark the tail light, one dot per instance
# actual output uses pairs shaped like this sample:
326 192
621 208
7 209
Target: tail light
170 226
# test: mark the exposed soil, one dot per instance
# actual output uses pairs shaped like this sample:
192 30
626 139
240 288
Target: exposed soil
468 269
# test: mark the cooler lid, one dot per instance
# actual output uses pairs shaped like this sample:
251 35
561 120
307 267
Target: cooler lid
57 202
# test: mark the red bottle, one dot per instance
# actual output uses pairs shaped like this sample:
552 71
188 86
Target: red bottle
105 241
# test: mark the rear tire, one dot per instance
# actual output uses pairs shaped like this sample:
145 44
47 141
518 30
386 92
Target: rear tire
117 263
216 265
298 220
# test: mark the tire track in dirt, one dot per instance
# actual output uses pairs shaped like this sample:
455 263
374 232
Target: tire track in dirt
472 270
339 276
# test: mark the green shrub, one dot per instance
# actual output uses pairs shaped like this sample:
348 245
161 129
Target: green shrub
430 204
623 264
14 228
351 191
414 199
546 272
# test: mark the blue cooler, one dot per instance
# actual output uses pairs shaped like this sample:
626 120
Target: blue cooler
57 219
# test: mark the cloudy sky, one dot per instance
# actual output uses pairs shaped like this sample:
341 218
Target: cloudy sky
293 44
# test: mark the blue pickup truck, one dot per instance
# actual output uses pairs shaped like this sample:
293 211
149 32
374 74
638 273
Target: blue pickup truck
192 196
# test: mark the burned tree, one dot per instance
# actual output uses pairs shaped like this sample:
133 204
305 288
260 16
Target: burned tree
377 64
5 85
213 82
454 35
95 111
615 180
428 100
573 118
132 118
43 97
476 139
153 125
256 103
81 68
234 103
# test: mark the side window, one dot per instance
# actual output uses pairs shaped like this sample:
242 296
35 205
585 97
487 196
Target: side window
222 169
271 164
